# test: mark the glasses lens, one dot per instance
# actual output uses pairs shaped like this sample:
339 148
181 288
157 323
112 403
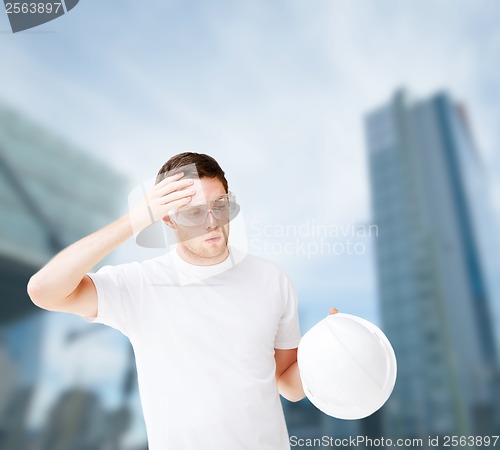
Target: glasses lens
194 215
197 214
220 209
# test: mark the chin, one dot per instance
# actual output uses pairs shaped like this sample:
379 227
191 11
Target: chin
213 251
205 250
198 247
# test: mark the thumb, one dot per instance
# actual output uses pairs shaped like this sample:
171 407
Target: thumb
333 311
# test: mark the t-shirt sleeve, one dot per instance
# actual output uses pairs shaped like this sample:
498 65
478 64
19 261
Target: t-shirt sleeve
118 298
288 334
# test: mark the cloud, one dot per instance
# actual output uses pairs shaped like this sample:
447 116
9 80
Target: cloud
276 93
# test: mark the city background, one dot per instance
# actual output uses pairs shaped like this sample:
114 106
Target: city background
372 127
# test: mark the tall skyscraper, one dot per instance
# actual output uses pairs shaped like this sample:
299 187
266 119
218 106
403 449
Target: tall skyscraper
434 302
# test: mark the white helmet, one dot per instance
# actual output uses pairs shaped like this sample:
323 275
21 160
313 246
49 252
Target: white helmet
347 366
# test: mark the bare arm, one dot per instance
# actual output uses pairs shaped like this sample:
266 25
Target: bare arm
288 374
62 284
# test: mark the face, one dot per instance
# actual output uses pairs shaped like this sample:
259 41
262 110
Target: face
204 244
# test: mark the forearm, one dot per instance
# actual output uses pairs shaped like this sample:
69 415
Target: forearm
290 385
62 274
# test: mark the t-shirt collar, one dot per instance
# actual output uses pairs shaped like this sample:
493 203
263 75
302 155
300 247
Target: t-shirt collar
195 272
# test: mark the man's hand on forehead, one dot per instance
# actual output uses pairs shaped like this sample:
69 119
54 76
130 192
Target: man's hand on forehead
205 192
170 194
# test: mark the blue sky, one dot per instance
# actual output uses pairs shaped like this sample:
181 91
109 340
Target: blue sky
276 91
239 76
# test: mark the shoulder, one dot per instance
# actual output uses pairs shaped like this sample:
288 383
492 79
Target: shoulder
263 265
110 269
259 261
133 268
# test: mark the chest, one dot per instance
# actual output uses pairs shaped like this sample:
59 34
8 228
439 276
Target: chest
212 317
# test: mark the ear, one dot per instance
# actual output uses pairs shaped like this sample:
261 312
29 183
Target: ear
169 222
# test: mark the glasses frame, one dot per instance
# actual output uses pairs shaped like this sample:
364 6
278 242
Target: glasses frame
234 209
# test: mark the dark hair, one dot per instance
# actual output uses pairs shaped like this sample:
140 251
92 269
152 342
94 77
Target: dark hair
206 166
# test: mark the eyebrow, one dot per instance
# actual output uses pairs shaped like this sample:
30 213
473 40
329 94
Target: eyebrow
209 200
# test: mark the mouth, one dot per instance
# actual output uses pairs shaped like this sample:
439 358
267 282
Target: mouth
213 239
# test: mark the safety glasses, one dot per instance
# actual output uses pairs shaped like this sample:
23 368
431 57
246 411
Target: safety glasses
224 209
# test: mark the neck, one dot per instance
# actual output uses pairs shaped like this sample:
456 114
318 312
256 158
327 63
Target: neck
198 260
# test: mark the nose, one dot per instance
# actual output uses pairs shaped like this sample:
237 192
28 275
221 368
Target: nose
210 220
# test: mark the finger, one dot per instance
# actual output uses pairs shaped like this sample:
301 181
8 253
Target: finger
174 186
333 311
167 180
174 206
176 195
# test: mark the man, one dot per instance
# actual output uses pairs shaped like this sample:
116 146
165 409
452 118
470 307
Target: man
214 332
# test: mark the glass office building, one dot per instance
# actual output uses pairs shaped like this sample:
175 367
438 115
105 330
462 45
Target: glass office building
435 307
51 194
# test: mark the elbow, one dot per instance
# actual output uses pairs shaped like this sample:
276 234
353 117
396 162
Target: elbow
302 397
35 291
296 398
292 395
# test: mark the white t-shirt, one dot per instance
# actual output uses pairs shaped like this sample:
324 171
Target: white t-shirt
204 340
